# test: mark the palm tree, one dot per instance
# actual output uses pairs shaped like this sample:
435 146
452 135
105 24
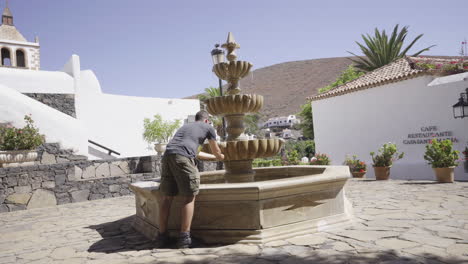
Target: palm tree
380 49
209 93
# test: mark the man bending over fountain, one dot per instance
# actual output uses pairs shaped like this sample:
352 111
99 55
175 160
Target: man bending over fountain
180 176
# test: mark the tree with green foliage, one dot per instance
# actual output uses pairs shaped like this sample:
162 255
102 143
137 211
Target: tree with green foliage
381 49
305 148
307 124
347 75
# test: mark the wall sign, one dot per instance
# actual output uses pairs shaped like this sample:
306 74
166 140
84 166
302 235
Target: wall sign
428 133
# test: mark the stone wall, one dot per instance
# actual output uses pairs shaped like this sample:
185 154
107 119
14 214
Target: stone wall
49 185
51 153
69 181
65 103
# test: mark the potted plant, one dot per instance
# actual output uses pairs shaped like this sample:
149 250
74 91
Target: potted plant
18 145
159 131
356 166
384 160
320 159
443 159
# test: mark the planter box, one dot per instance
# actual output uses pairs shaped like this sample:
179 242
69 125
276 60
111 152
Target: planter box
14 158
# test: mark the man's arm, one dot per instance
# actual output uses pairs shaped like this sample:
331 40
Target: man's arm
215 149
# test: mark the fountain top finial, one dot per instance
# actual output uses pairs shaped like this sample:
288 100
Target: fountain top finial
231 46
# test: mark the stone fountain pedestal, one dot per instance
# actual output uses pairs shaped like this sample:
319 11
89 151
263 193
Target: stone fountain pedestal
281 203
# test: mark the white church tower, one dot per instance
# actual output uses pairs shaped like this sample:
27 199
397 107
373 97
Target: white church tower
16 51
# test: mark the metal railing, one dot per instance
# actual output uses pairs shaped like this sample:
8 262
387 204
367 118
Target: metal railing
110 151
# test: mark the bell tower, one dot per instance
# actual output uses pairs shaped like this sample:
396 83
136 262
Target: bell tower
15 50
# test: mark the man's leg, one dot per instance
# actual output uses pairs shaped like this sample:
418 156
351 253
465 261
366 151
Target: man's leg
187 209
164 210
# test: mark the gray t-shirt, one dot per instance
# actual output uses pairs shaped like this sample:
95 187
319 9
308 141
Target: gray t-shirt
187 139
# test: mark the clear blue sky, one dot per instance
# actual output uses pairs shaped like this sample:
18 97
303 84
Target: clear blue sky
162 48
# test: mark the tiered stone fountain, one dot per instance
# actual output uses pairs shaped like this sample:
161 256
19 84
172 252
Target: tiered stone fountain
244 204
239 152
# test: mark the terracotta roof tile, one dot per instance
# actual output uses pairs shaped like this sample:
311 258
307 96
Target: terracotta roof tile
398 70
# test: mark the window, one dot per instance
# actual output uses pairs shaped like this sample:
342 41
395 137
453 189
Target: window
6 59
20 60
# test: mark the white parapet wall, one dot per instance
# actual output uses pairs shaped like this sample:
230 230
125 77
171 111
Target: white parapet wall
57 126
114 121
406 113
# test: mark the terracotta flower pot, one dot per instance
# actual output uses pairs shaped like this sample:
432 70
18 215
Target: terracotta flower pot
382 173
357 174
12 158
444 175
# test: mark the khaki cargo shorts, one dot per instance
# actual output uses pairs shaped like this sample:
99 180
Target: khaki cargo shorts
179 175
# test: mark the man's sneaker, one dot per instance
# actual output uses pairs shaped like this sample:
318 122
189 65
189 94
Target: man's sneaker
184 240
162 241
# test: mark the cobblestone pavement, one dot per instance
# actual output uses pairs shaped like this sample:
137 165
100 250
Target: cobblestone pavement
395 222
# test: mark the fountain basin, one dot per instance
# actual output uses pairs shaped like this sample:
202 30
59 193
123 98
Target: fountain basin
232 70
234 104
248 149
281 203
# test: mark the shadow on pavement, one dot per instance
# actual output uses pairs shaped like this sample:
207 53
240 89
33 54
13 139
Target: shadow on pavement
119 236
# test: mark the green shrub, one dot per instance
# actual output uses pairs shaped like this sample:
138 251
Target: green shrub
305 148
293 157
320 159
387 155
26 138
440 154
266 162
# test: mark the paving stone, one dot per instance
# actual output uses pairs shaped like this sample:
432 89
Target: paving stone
199 259
273 254
428 239
366 236
63 253
239 249
307 240
277 243
458 250
105 225
36 255
395 243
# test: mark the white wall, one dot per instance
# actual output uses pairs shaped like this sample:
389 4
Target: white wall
57 126
30 81
360 122
116 121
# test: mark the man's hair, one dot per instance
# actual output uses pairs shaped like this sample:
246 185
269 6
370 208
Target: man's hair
201 115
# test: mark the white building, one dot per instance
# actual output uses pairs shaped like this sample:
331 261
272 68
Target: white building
282 121
68 105
397 103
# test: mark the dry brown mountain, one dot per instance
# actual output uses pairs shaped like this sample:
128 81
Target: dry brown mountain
285 86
